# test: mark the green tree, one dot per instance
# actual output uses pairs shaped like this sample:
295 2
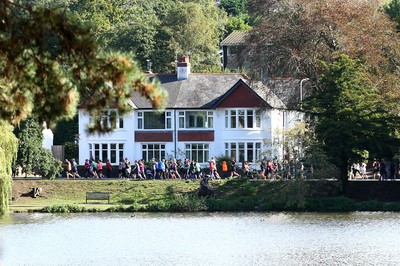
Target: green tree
291 37
393 10
49 63
66 131
238 15
32 157
235 7
350 117
196 29
8 153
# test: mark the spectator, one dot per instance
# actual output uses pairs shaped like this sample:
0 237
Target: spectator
86 166
142 170
128 168
233 168
392 170
75 169
99 169
108 168
161 169
197 169
154 164
224 169
121 169
94 169
376 167
68 168
213 169
364 170
383 170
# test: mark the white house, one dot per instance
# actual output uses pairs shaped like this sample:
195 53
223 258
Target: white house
206 115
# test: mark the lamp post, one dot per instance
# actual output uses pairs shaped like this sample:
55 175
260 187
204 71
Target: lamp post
301 90
148 65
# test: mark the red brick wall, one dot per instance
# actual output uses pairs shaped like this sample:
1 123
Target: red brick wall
152 136
196 135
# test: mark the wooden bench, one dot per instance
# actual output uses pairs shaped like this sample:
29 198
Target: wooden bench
98 196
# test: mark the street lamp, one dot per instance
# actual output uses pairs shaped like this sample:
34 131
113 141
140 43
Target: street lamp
148 65
301 90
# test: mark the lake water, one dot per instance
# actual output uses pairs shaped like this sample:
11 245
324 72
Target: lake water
201 239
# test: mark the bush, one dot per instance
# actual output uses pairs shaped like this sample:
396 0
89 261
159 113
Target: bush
48 167
63 209
185 203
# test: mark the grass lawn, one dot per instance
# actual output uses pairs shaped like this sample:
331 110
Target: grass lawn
123 192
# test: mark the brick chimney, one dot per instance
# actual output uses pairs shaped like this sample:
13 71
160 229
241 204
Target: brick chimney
183 68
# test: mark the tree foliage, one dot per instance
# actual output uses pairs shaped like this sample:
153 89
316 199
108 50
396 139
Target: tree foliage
292 37
238 15
158 30
350 117
195 29
49 63
393 10
8 153
32 156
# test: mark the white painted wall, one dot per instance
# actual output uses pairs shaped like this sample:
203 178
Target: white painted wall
48 138
271 121
125 136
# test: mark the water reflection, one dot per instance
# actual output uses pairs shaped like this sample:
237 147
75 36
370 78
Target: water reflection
201 239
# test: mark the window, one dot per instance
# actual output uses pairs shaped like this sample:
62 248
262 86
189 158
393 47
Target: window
242 118
243 151
103 151
150 151
199 152
109 119
153 120
196 119
232 50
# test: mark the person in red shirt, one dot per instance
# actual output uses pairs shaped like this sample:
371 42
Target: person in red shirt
108 168
99 169
213 169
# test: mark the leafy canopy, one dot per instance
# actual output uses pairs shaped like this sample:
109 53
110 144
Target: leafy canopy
292 37
32 156
350 117
49 63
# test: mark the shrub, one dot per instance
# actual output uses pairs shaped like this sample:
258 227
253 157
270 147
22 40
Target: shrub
183 203
63 209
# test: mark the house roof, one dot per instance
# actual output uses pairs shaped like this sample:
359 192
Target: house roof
237 37
204 91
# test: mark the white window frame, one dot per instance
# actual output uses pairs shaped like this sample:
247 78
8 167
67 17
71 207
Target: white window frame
193 151
244 150
97 150
105 118
208 120
242 118
150 149
141 122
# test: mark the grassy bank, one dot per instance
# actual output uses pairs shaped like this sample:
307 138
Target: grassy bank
230 195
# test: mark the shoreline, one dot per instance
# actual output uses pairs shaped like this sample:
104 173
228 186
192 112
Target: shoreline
231 195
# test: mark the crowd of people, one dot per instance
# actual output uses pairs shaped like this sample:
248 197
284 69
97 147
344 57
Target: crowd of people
176 169
381 170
